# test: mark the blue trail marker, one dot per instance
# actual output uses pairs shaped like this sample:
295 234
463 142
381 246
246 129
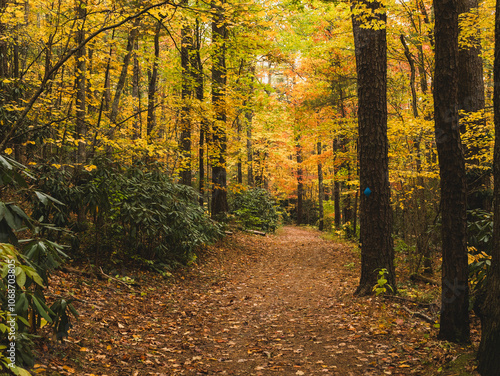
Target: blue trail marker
367 192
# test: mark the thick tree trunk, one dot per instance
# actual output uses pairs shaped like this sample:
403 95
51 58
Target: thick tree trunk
377 250
489 348
454 324
219 138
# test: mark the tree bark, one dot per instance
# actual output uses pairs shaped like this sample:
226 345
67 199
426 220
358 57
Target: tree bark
219 138
454 324
377 250
489 348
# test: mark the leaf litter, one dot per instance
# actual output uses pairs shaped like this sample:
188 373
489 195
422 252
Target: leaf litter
281 304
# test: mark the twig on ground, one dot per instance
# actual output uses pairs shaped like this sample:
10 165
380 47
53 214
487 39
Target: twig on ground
424 317
256 232
421 304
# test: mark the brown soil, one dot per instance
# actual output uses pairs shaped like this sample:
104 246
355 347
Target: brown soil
275 305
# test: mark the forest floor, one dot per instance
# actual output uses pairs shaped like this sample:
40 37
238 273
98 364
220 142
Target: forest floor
278 304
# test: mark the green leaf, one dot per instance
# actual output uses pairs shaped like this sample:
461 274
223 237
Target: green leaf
6 214
42 197
21 278
41 309
21 304
23 320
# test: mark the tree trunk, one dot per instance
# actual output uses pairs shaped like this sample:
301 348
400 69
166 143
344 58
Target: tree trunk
336 203
377 250
248 127
321 191
219 138
336 190
188 77
300 184
489 348
239 165
199 92
454 324
248 117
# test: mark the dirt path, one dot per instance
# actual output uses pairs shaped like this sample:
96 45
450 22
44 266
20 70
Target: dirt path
280 312
275 305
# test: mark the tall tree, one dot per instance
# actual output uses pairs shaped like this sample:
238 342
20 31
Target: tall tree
200 95
489 348
377 250
188 77
219 137
454 324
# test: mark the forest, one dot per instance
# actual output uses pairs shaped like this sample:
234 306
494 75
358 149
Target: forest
140 138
